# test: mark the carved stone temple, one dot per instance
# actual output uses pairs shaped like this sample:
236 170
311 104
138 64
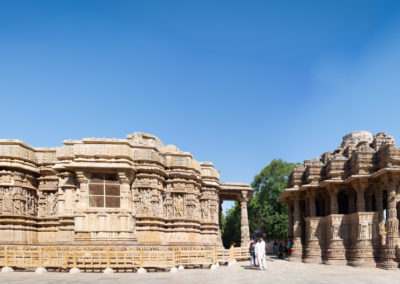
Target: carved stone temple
344 206
133 191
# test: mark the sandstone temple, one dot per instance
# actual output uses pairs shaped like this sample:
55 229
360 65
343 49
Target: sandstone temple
344 205
127 192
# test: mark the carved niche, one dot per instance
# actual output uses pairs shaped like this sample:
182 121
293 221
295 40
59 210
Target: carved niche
18 202
168 205
179 208
7 204
30 197
48 204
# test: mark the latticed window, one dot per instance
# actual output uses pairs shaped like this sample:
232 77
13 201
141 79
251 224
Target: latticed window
104 191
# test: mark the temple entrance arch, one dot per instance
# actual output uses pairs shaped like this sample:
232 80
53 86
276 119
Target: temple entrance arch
242 193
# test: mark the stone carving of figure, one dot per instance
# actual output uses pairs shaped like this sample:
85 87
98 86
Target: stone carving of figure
197 213
52 204
7 201
382 228
190 211
335 232
168 210
30 204
1 199
17 207
313 231
178 206
204 211
214 213
156 203
363 231
160 207
145 202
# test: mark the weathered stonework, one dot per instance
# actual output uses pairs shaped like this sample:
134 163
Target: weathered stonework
338 203
133 191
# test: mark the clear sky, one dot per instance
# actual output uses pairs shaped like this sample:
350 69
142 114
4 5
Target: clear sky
237 83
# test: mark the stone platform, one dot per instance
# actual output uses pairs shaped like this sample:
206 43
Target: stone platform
277 272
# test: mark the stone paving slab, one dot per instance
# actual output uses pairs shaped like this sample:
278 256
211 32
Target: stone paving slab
278 271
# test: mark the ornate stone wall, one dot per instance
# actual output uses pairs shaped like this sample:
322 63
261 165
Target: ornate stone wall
149 194
348 193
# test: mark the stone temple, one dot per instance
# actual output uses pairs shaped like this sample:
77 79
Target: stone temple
344 205
133 191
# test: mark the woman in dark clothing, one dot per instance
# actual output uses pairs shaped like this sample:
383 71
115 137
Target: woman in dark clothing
252 251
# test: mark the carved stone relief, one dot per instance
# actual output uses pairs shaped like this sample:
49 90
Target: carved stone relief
179 206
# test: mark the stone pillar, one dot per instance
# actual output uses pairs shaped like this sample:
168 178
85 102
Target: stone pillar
306 208
244 224
360 188
392 224
327 205
335 252
82 203
352 202
379 203
82 193
368 201
126 194
297 247
360 251
334 203
313 248
219 222
66 193
312 207
379 208
290 213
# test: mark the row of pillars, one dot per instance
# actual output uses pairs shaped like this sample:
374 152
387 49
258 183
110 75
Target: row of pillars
388 256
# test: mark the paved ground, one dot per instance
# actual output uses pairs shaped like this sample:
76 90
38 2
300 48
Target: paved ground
278 271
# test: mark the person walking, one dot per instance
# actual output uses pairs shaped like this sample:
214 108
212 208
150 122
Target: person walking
289 246
260 253
252 251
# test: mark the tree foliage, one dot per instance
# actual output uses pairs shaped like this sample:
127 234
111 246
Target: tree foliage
266 215
265 212
231 227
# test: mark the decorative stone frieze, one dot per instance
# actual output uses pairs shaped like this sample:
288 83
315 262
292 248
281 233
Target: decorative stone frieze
99 191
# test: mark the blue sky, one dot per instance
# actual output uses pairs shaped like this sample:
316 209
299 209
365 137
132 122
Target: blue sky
237 83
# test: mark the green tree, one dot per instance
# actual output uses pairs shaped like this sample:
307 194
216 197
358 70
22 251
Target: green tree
265 213
231 227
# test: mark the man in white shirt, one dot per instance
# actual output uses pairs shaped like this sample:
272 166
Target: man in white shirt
260 253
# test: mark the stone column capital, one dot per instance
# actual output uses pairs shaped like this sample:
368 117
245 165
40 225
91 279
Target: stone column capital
311 193
66 180
360 185
296 196
244 197
333 192
82 176
125 177
389 181
333 189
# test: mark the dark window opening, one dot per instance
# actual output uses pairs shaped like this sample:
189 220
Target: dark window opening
104 191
